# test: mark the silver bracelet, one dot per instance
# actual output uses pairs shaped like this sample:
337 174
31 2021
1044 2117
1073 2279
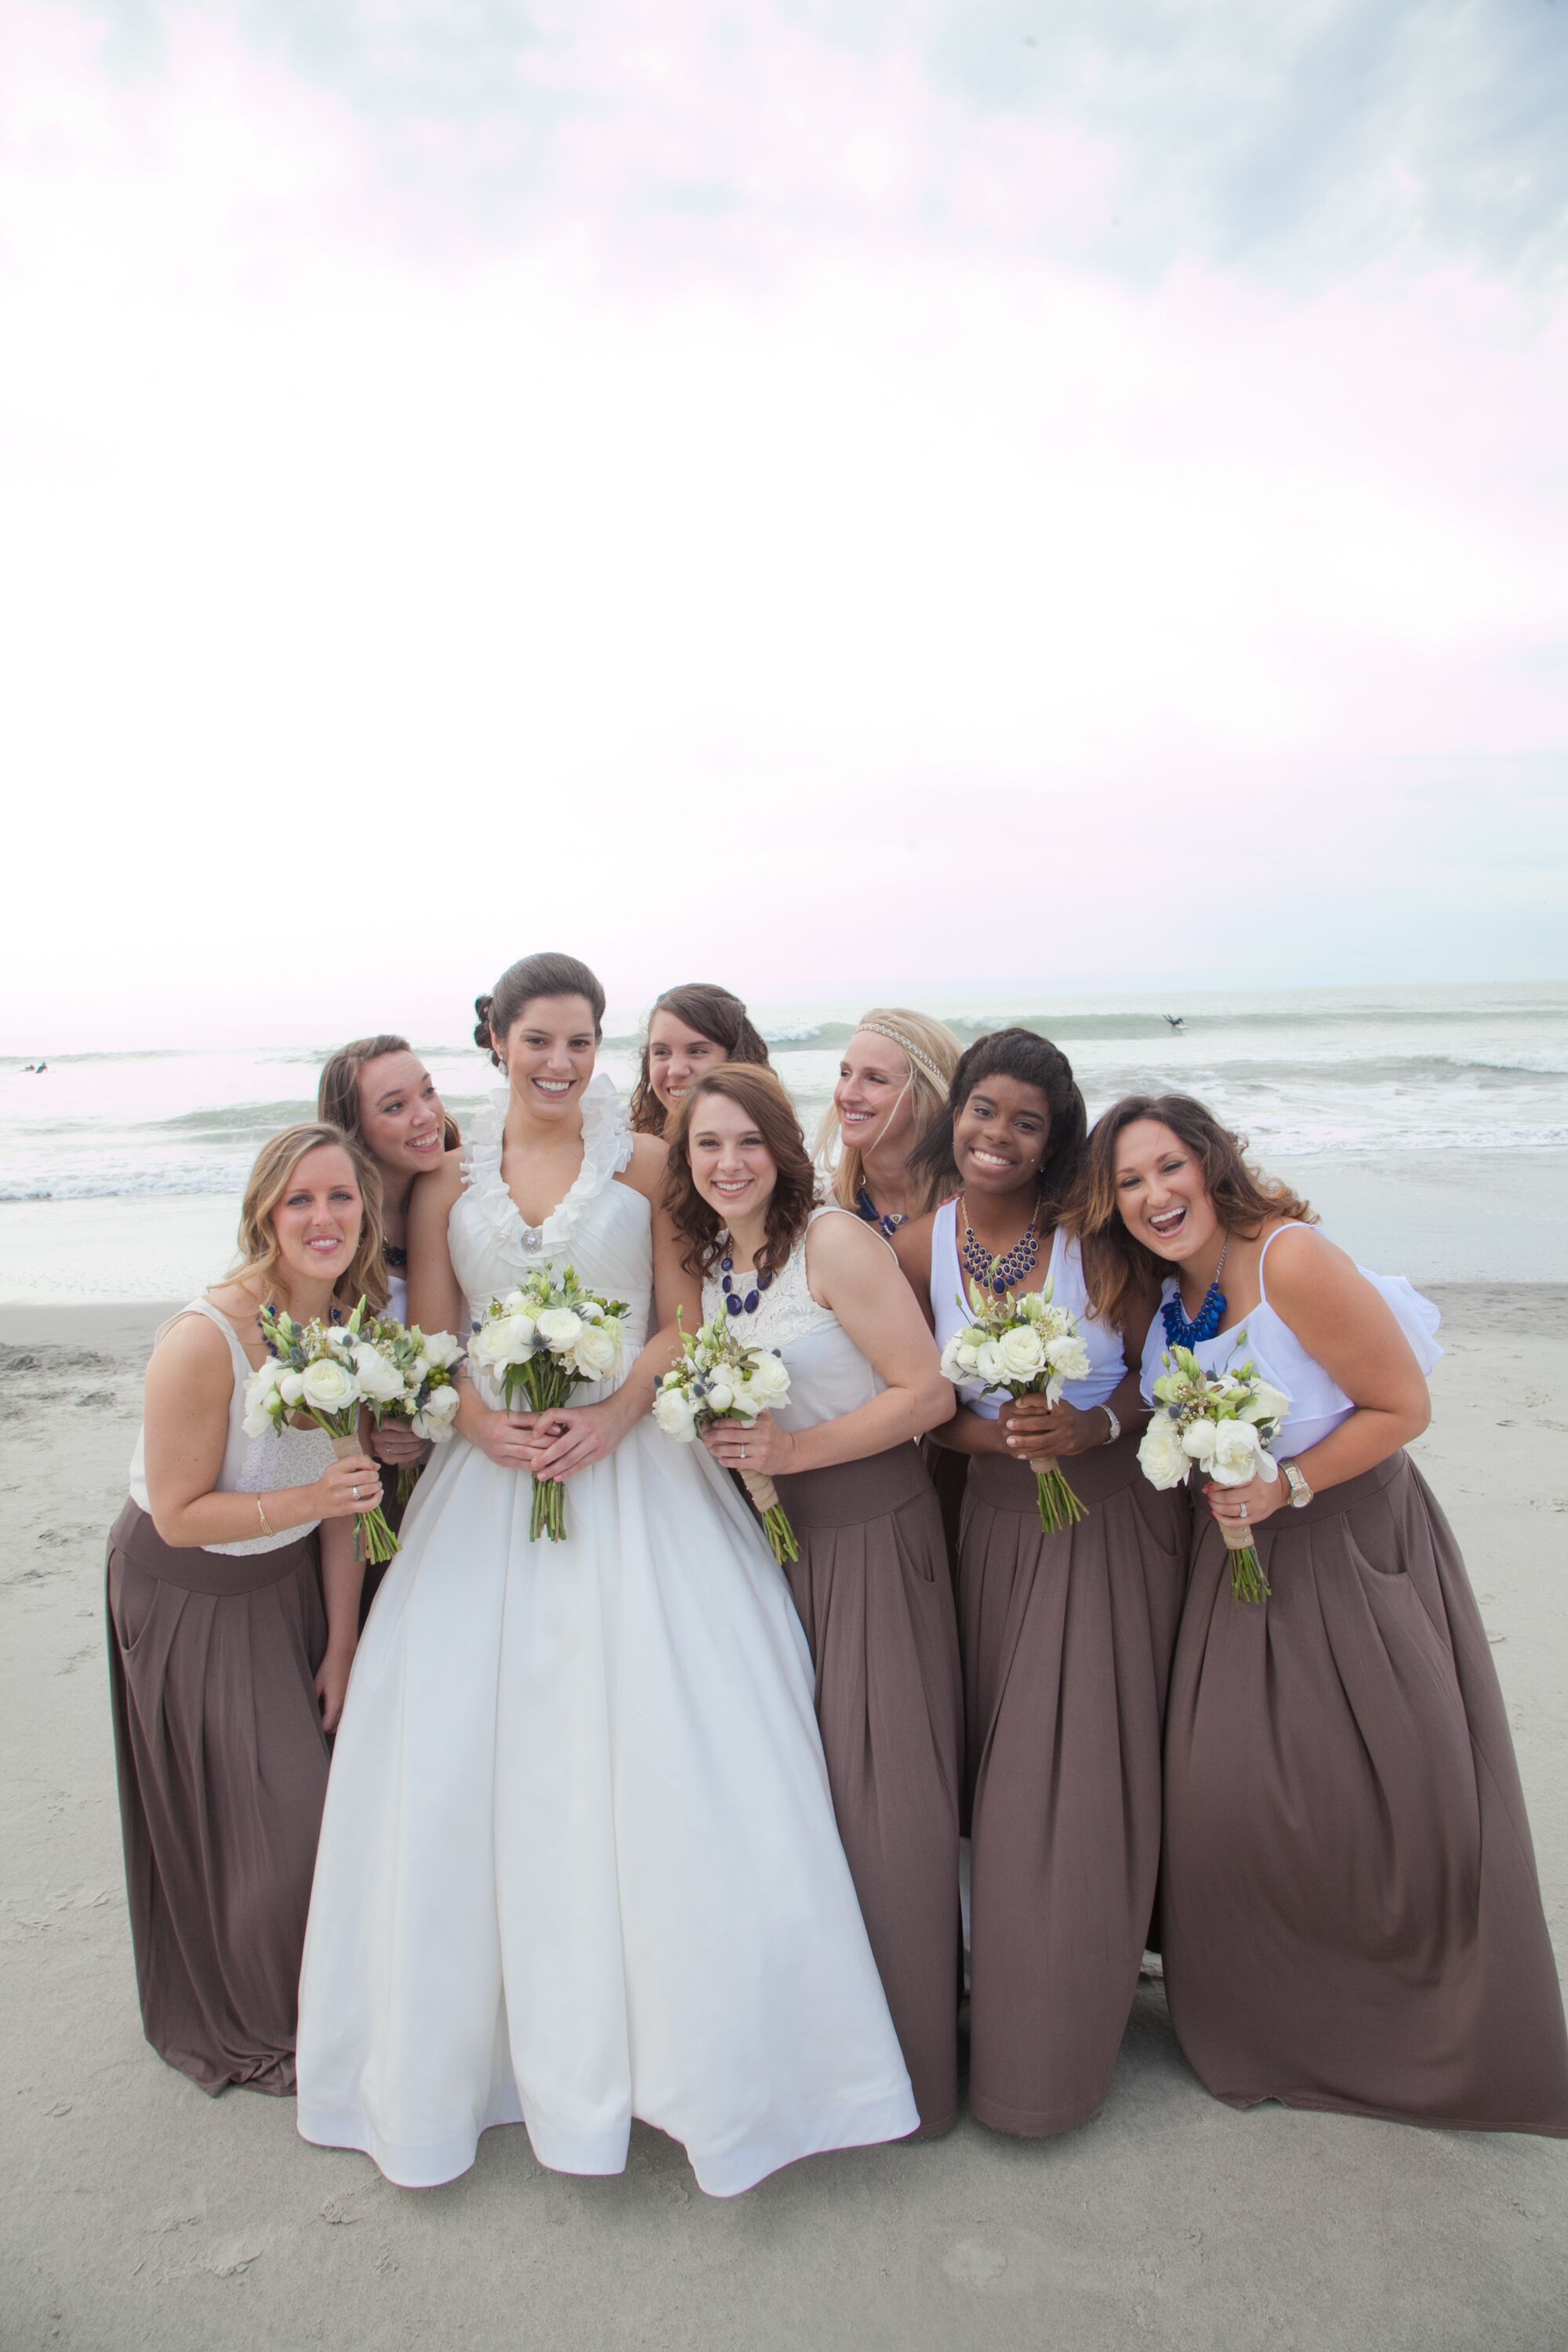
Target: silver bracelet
1115 1424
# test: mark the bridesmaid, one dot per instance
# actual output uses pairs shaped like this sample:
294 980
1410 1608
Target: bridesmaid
226 1673
870 1583
892 1088
1350 1913
378 1091
1066 1638
696 1027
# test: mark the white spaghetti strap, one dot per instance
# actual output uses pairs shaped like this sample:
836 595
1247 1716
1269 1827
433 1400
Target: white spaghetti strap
1296 1226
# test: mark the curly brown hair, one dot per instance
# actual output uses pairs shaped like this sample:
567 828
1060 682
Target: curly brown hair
715 1013
1117 1266
761 1097
1033 1061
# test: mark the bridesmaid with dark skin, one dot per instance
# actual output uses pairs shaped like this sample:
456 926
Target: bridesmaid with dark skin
1065 1639
1349 1901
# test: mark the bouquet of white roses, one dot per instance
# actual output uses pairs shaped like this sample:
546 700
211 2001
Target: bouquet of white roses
318 1370
410 1379
1024 1344
718 1378
1223 1421
540 1342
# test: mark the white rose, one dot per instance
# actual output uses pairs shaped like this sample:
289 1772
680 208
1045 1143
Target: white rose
261 1400
720 1396
291 1387
598 1351
382 1382
1266 1403
436 1420
988 1364
330 1386
442 1349
1022 1353
1162 1456
768 1380
559 1327
1069 1356
672 1411
1198 1442
1237 1453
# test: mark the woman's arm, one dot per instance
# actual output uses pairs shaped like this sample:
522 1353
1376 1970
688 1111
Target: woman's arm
850 1271
342 1578
190 1380
435 1297
1342 1322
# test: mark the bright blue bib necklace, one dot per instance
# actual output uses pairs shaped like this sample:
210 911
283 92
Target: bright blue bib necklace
1179 1331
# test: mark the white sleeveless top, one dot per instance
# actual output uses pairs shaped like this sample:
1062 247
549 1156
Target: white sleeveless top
948 1290
828 1376
251 1465
1317 1404
396 1295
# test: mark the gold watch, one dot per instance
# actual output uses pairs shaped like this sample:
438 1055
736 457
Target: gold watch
1300 1493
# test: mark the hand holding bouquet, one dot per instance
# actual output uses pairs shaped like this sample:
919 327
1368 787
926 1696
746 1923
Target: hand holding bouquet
718 1378
1024 1346
1223 1422
540 1342
411 1381
319 1370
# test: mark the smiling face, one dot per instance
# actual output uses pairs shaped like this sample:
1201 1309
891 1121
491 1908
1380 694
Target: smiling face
676 1056
1161 1193
401 1116
317 1221
874 1097
548 1054
1000 1136
731 1166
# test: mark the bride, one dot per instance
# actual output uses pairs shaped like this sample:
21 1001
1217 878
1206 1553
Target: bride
578 1861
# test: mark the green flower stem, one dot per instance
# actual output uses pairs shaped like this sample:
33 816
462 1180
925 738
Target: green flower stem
1060 1507
1247 1582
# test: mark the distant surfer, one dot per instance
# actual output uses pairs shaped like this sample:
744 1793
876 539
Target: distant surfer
1174 1019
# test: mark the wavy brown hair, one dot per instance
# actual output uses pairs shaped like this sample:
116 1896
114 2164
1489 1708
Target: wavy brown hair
761 1097
715 1013
268 1182
338 1099
1116 1265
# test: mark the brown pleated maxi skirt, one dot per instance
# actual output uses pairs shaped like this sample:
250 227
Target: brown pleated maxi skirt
1351 1917
873 1593
223 1772
1067 1643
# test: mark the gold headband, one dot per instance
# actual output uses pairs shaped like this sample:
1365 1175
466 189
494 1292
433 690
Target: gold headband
880 1029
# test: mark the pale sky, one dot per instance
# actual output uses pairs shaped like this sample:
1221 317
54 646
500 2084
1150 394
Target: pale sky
849 500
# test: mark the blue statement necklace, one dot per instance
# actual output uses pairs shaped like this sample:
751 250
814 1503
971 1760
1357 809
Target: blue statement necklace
999 1273
885 1220
734 1303
1182 1333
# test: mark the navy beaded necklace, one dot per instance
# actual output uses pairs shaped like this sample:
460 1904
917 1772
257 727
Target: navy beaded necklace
1179 1331
735 1304
886 1221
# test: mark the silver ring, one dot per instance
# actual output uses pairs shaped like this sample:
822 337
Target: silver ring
356 1494
1243 1511
742 1452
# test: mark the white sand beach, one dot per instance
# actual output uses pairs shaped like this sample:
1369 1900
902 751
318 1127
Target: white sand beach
138 2212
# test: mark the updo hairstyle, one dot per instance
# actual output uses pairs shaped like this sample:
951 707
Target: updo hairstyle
1033 1061
716 1013
761 1097
546 974
337 1096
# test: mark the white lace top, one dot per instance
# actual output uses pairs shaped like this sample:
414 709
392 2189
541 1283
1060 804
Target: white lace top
828 1376
251 1465
949 1285
603 1230
1317 1404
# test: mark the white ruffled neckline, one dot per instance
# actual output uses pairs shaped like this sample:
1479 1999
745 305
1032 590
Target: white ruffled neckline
606 1150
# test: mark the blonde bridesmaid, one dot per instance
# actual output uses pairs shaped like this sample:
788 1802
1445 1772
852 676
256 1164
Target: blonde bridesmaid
892 1088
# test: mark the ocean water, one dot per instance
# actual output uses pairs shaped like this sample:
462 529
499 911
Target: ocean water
118 1155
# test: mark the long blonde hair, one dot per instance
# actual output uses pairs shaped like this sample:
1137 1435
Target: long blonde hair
269 1181
932 1051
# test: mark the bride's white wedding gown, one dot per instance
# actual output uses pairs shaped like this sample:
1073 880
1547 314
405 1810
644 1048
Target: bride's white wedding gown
578 1861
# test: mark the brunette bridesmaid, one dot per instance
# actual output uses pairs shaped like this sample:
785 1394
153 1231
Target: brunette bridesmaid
1350 1913
377 1090
695 1027
1066 1638
226 1671
870 1584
